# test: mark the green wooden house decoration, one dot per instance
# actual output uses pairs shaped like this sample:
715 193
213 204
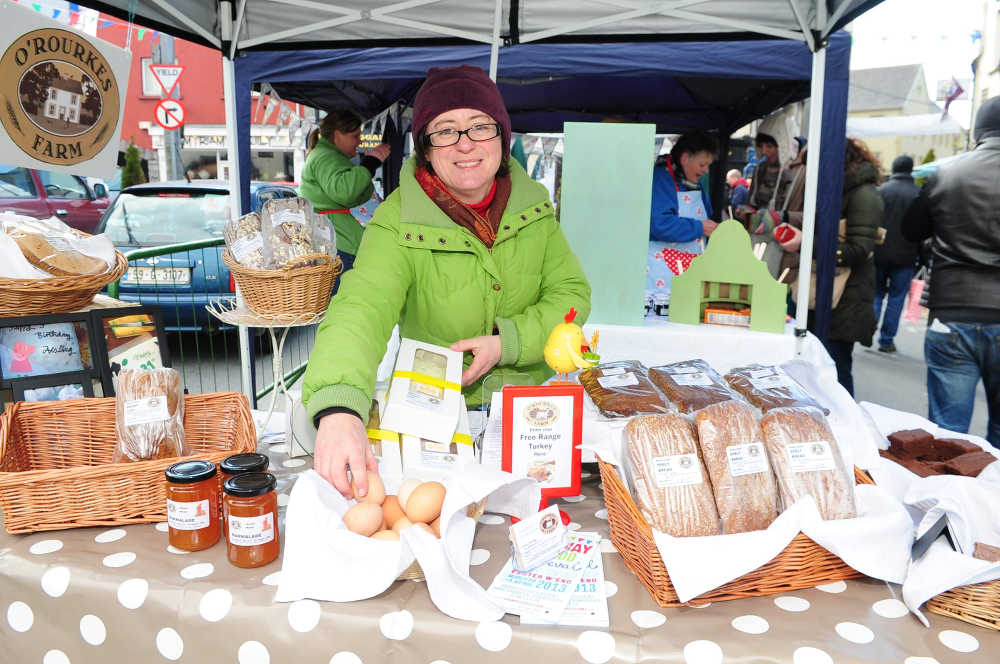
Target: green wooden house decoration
729 274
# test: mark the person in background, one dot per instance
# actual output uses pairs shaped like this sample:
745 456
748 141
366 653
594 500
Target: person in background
465 253
853 319
896 257
739 189
680 212
959 208
334 185
765 176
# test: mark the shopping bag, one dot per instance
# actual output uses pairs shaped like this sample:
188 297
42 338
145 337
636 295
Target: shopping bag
913 308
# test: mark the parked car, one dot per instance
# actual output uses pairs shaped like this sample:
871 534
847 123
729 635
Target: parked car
43 194
162 213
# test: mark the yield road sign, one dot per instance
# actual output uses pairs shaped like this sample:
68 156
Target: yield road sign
167 76
169 114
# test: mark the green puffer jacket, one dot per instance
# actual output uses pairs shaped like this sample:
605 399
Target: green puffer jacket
418 267
861 206
331 182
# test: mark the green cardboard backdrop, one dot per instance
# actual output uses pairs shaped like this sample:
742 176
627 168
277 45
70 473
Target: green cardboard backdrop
607 182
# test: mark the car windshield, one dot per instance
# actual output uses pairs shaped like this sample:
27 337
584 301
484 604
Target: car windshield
159 218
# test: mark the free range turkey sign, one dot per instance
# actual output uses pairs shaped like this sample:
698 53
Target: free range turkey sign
61 96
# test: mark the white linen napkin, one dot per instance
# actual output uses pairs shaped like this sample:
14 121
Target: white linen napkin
968 504
941 569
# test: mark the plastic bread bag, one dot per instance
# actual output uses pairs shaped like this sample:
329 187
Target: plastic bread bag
13 264
622 389
807 461
732 447
245 242
770 387
324 237
59 250
671 486
691 385
149 415
287 230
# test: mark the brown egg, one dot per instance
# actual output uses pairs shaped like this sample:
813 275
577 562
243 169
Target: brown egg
425 502
405 489
402 523
391 510
424 526
436 526
388 535
376 490
363 519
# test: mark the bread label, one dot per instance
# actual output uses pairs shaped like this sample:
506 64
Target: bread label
279 217
624 380
188 516
59 243
810 456
762 373
771 382
247 245
677 470
613 371
144 411
251 530
746 459
696 378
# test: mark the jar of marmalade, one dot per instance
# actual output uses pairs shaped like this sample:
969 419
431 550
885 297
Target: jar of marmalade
237 464
192 505
250 509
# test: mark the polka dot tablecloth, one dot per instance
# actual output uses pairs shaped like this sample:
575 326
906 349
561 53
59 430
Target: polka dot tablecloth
121 594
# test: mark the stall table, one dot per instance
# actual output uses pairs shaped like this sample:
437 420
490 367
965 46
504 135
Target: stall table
122 595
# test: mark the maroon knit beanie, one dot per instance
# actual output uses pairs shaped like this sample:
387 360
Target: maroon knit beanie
447 88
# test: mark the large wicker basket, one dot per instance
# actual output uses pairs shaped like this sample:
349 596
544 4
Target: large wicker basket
55 295
978 604
296 289
803 563
55 469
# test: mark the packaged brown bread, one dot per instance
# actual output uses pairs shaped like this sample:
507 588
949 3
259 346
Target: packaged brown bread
622 389
56 256
770 387
149 415
691 385
671 487
733 450
807 461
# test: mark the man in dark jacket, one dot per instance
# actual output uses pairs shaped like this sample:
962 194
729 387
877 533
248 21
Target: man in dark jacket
959 207
896 257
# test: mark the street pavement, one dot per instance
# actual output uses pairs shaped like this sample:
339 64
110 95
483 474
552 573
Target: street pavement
899 380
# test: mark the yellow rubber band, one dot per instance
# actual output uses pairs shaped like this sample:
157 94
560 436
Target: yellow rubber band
382 434
427 380
462 439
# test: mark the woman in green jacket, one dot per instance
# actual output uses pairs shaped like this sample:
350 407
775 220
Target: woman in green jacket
465 253
334 185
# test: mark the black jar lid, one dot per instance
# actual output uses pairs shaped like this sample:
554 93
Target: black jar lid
248 485
187 472
248 462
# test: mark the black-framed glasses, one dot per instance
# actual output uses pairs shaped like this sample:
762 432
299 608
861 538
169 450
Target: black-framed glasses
479 132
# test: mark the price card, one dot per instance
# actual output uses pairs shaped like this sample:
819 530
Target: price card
537 539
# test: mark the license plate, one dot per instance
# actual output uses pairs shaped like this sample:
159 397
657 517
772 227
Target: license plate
163 276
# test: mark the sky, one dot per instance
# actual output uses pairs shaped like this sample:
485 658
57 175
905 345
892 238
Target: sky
934 33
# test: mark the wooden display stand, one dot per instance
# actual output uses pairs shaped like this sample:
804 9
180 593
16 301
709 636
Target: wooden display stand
729 273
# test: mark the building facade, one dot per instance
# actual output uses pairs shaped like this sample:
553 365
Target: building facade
64 100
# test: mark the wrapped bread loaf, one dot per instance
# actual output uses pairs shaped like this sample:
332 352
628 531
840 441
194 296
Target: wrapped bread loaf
622 389
56 256
733 450
691 385
807 461
149 415
770 387
671 487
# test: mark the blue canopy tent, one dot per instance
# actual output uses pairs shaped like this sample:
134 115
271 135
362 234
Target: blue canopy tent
675 85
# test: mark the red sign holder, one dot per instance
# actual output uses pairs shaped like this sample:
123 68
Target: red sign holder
567 456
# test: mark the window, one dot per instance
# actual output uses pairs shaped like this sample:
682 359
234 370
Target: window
52 109
63 185
150 86
15 182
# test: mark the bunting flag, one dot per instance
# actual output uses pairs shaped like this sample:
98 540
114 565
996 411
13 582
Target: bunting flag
954 92
265 91
67 13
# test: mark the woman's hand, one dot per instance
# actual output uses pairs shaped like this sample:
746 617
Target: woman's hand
380 151
708 226
486 352
792 244
341 441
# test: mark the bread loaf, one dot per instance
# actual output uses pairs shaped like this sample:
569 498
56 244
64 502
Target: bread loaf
733 449
770 387
56 256
622 389
807 461
671 486
149 415
691 385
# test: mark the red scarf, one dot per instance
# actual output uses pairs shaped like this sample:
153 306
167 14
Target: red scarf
482 219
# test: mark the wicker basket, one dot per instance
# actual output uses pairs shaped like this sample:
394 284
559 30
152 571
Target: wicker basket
293 290
54 461
803 563
414 572
55 295
977 604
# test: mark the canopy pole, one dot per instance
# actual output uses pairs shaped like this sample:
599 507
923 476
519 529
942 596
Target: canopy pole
495 42
235 198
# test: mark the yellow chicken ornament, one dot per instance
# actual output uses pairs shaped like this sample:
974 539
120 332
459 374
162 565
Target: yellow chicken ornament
567 349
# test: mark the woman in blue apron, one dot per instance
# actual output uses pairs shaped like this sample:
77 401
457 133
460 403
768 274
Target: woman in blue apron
679 217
